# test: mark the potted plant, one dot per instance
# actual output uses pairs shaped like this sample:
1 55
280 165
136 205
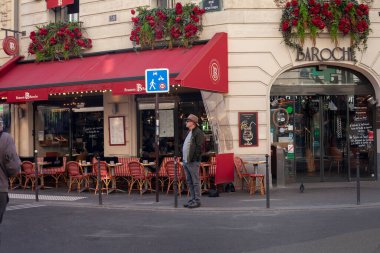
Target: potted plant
311 17
56 41
167 26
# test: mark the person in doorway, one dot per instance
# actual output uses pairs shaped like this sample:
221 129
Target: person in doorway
9 166
192 152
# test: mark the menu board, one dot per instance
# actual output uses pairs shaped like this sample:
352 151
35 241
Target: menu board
248 129
361 132
116 131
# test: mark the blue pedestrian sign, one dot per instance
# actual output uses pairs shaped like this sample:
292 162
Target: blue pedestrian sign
156 80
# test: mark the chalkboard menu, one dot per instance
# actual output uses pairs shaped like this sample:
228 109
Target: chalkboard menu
211 5
93 132
248 129
361 133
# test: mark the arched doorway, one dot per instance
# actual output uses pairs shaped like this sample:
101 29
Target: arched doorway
324 119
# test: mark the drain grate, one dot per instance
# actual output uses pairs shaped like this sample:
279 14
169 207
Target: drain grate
44 197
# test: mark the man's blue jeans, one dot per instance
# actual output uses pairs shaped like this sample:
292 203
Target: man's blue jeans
192 179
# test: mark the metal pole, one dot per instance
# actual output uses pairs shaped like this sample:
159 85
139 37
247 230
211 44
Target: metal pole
99 182
357 179
267 180
36 174
175 183
157 146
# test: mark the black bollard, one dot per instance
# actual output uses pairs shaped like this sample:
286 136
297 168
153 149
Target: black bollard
99 182
36 167
267 180
175 186
357 178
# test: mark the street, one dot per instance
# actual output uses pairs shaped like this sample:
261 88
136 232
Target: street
44 227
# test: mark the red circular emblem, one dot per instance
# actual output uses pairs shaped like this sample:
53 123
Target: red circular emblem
162 86
214 71
10 45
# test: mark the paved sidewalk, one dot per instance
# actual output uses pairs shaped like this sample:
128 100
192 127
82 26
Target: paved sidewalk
316 196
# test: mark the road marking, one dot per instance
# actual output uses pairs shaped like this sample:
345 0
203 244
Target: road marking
44 197
24 206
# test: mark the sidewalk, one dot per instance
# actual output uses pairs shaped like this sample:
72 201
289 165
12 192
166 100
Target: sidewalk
316 196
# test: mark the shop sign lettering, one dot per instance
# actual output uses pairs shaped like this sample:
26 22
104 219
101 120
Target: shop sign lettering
211 5
325 54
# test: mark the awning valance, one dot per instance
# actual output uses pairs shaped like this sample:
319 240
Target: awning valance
202 67
58 3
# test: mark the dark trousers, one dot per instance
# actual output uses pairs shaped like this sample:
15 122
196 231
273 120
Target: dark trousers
3 204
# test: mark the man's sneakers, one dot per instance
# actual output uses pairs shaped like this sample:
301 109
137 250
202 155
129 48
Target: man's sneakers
192 204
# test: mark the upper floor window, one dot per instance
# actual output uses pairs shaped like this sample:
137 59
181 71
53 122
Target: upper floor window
73 12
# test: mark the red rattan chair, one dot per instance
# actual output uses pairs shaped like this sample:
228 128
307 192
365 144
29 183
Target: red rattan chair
28 169
105 177
122 171
56 172
170 169
249 178
138 175
76 176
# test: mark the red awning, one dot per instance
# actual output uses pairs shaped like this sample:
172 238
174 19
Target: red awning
58 3
202 67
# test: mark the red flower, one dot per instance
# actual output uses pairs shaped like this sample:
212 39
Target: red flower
296 12
66 47
311 2
177 19
194 18
32 34
287 4
133 12
53 41
81 43
294 2
152 23
43 31
285 25
338 2
294 22
178 8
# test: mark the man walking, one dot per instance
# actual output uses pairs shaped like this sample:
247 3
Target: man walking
192 151
9 166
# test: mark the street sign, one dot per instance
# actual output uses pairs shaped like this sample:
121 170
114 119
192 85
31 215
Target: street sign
156 80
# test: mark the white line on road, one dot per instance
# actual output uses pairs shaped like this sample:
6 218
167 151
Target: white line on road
44 197
24 206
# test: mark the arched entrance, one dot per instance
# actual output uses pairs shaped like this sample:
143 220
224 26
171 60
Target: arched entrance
324 119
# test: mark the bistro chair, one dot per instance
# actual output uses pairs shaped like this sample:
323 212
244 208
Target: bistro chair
210 171
249 178
76 176
170 170
122 171
105 177
138 175
13 179
28 169
56 172
162 173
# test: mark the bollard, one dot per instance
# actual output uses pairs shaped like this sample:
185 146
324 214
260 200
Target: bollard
36 173
99 182
175 186
357 178
267 180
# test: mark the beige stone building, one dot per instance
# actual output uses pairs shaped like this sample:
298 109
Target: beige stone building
264 75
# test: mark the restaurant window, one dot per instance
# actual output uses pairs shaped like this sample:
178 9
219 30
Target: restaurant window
165 3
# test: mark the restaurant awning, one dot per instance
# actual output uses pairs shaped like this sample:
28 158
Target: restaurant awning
203 67
58 3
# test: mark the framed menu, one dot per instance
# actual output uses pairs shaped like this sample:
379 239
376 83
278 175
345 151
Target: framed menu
248 129
116 131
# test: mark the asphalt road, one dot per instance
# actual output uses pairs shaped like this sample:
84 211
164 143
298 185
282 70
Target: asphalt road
55 229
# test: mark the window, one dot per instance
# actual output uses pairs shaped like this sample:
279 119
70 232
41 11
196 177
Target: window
73 12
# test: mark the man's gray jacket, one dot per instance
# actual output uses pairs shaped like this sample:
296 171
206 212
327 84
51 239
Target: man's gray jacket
9 160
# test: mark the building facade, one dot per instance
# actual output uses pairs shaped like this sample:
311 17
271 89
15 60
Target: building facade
304 104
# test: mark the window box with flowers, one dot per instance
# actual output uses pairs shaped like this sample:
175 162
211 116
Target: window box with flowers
338 17
167 26
57 41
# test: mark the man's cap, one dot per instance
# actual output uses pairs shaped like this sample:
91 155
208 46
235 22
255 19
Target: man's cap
193 118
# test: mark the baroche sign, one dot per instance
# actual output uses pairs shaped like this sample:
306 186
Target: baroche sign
325 54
